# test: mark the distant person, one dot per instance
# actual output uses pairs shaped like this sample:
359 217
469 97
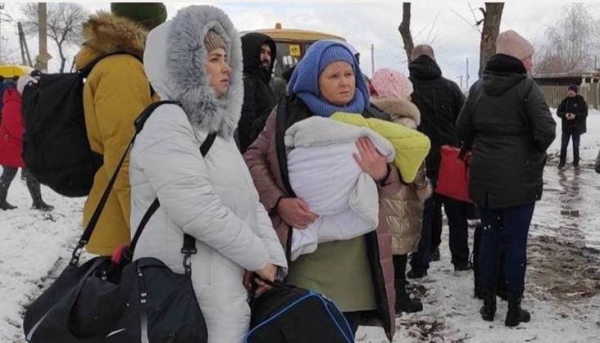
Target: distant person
259 99
508 127
439 100
11 149
573 111
115 93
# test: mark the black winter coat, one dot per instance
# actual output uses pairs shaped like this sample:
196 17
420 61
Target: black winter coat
439 100
508 127
259 98
578 107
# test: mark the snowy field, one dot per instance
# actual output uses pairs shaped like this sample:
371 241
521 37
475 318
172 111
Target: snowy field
563 279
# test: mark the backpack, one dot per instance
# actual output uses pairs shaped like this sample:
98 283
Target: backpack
56 149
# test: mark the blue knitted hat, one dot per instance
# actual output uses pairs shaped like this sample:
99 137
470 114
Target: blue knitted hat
335 53
305 79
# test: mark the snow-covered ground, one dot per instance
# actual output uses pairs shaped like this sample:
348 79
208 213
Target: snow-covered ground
563 279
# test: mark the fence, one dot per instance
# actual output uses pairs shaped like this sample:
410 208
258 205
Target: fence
589 91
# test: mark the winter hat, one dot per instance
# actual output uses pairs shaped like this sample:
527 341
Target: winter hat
574 88
147 14
212 40
305 79
35 73
335 53
23 82
512 44
391 83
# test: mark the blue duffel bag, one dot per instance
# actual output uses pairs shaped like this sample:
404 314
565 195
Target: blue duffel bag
288 314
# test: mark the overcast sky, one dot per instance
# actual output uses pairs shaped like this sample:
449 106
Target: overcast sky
446 25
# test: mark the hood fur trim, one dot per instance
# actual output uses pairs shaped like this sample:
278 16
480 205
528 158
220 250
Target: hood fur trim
106 33
185 65
402 111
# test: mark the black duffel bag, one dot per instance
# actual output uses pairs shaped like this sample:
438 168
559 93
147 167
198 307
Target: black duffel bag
124 301
288 314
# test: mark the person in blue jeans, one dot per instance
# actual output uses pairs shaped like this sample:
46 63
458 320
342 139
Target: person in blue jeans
508 127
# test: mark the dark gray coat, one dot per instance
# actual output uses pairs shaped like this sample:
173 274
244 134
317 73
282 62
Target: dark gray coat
508 127
578 107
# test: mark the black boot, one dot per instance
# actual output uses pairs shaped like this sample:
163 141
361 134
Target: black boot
403 301
488 311
4 205
36 194
515 314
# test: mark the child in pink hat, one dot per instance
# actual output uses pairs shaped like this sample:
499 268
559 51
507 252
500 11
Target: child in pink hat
391 83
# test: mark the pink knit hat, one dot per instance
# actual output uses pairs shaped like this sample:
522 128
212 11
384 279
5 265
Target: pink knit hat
512 44
391 83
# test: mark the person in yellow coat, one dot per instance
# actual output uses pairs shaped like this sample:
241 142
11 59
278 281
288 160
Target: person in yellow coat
115 93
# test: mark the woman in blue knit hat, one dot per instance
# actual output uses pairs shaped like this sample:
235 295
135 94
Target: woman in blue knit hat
357 274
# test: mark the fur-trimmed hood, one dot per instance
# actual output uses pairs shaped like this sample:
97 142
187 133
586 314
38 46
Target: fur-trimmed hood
174 62
105 33
402 111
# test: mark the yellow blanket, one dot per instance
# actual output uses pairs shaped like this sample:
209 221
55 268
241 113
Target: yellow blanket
411 146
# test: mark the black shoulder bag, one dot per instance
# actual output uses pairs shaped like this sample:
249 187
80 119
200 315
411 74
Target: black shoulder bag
120 302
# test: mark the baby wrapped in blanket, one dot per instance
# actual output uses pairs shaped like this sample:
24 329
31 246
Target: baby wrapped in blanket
323 172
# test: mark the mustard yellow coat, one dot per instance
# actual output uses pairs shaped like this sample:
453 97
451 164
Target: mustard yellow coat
115 93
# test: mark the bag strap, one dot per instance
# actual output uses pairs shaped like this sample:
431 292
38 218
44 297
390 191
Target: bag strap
189 244
89 229
85 71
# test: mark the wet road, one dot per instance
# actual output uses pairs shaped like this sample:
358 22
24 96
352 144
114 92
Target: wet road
570 206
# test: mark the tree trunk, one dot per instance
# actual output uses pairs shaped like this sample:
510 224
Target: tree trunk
404 29
491 29
63 58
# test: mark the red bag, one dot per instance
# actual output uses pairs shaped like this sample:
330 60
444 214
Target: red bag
454 175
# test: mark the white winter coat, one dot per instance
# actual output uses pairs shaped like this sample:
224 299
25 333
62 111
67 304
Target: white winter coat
323 172
211 198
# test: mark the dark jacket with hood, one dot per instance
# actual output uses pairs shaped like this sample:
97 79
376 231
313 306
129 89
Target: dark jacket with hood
578 107
439 100
259 98
508 127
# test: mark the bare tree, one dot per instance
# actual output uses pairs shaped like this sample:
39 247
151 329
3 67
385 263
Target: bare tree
492 15
404 29
63 24
570 45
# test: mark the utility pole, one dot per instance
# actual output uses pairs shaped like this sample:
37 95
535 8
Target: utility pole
467 84
372 60
43 56
461 87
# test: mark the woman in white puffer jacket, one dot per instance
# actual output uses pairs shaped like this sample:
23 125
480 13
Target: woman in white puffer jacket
196 60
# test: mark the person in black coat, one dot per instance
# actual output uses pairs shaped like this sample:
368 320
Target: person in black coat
508 127
259 52
439 100
573 111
